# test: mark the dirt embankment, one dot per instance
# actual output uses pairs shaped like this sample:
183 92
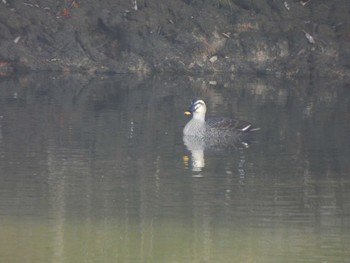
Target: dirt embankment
266 36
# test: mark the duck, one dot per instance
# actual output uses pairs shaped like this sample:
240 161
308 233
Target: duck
213 128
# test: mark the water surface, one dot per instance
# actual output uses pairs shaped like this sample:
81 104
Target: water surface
96 170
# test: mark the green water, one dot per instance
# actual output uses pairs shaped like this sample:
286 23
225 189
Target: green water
96 170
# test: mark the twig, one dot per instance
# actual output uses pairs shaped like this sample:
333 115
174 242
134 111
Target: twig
309 37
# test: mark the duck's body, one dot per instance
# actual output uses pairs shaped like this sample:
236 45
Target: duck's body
213 128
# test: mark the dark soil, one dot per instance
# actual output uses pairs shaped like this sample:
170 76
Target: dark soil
284 37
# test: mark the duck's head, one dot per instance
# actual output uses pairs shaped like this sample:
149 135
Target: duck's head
197 109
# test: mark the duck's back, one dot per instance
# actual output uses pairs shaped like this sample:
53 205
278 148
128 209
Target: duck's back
226 127
217 127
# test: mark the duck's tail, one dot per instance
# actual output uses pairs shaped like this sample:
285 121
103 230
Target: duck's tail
249 128
254 129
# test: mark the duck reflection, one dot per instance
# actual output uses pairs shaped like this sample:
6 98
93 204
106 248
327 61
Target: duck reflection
198 146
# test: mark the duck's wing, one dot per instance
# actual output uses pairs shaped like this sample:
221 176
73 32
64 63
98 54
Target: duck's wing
230 124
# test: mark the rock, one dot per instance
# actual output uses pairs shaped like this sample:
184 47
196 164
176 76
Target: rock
213 59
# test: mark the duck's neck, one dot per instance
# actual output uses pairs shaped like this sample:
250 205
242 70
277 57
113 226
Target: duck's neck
194 127
199 117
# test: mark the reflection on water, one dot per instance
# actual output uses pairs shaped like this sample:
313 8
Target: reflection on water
197 146
92 170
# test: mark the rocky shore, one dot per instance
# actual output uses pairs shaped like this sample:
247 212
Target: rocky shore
285 37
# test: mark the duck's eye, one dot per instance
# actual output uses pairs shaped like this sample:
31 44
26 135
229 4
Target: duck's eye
198 104
197 107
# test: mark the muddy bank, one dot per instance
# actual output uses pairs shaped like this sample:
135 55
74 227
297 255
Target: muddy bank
260 36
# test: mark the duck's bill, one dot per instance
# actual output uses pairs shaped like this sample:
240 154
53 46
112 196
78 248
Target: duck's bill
187 113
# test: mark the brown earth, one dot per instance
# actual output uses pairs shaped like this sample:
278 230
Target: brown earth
285 37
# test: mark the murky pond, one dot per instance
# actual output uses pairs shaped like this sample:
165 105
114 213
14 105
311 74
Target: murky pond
96 170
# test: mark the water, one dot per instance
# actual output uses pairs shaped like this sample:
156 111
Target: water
95 170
